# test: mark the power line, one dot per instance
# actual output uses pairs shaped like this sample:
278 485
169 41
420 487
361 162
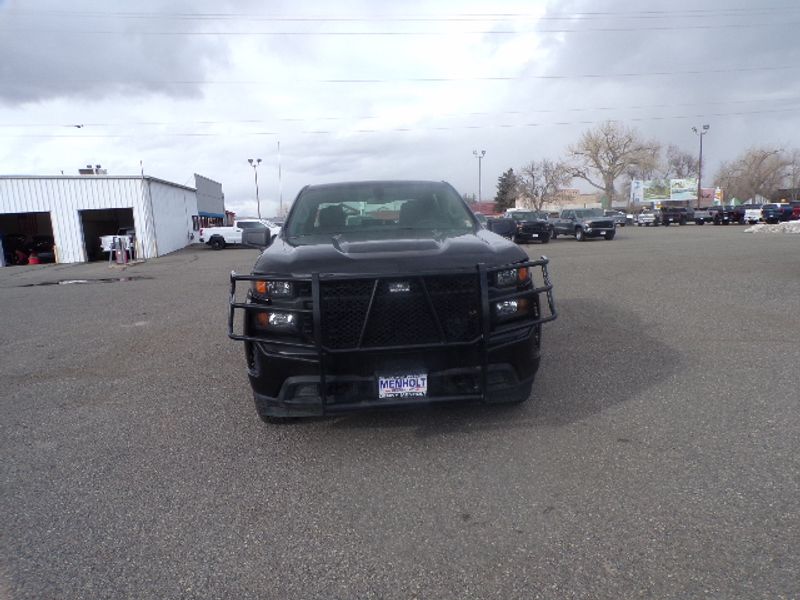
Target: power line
433 18
517 112
494 32
430 79
407 129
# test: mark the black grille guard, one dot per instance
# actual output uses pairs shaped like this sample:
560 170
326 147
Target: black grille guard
490 339
486 335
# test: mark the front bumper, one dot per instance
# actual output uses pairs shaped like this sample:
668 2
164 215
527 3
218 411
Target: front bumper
293 378
593 232
351 382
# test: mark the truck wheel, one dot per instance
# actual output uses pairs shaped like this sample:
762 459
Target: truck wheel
609 235
216 244
579 235
666 223
682 222
545 238
700 222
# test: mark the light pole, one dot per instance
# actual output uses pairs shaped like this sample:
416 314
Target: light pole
700 133
280 183
479 156
254 164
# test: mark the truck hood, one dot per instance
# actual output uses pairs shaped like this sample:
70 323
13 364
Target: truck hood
415 252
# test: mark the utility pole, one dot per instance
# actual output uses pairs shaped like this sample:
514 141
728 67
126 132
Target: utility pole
280 183
479 156
254 164
701 132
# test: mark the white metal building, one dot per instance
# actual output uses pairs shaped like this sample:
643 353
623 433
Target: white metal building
77 210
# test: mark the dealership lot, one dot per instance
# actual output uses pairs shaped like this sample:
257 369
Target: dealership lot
658 456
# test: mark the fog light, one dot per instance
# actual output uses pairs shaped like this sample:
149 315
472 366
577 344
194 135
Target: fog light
508 308
277 320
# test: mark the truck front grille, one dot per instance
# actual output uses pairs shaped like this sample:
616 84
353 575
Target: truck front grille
404 311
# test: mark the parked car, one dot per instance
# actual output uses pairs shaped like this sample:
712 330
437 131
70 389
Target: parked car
531 226
502 226
775 213
620 219
219 237
722 215
647 217
752 213
43 247
346 314
703 216
584 223
676 214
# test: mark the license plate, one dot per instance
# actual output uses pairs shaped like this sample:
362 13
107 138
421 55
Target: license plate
403 386
535 235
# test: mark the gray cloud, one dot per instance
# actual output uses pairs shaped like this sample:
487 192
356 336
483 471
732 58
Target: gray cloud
80 53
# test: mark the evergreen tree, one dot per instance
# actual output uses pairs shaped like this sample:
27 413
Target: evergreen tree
507 190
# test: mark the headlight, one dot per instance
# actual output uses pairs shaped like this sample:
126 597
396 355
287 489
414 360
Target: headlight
512 276
277 321
509 308
274 289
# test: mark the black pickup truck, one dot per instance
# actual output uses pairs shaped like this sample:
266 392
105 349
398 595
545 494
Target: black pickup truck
530 226
387 294
679 215
722 215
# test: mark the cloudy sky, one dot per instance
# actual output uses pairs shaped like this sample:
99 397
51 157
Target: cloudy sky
370 90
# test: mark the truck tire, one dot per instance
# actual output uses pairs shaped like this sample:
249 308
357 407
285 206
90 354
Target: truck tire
666 223
216 243
700 222
545 238
579 235
682 221
609 235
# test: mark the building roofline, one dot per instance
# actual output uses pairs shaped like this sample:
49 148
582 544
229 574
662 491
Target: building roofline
95 177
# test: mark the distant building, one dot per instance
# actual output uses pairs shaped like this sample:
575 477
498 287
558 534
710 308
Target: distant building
484 208
76 210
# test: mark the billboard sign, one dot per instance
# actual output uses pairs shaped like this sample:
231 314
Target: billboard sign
683 189
656 190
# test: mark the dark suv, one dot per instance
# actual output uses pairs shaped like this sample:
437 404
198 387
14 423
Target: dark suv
387 294
530 226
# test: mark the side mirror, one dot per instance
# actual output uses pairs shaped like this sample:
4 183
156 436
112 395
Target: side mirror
257 238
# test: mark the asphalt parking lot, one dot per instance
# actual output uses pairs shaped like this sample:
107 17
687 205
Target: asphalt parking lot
657 458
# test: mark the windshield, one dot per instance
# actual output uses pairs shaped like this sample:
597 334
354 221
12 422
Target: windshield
527 215
589 212
377 209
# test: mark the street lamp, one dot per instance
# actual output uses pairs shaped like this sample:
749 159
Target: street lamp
479 156
254 164
700 132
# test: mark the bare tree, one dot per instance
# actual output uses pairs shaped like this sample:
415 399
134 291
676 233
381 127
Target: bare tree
793 174
610 150
540 182
757 172
680 164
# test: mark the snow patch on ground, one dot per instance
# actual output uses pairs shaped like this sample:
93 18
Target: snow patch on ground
787 227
